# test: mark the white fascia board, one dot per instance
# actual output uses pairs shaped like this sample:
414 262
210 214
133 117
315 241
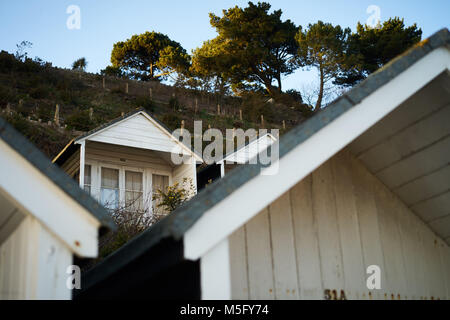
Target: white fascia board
223 219
35 194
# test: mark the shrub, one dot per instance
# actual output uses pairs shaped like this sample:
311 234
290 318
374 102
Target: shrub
146 103
171 120
80 120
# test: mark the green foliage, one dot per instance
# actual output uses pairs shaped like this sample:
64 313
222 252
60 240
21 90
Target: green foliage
175 195
254 105
80 120
322 46
49 141
171 120
112 72
174 104
144 56
79 64
146 103
371 48
40 92
252 46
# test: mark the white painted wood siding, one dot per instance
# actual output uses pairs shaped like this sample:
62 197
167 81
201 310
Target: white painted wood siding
324 233
139 132
33 264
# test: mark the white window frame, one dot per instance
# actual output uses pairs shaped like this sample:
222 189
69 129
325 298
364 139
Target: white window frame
147 173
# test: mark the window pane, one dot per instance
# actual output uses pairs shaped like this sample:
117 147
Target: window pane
87 178
110 198
87 174
110 188
110 178
159 183
133 194
133 181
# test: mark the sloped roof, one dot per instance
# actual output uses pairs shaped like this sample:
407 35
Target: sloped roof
178 223
232 155
72 146
25 148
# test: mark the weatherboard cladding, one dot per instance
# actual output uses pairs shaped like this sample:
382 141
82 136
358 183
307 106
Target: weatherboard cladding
177 223
25 148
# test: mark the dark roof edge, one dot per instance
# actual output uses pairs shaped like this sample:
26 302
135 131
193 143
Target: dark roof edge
33 155
182 219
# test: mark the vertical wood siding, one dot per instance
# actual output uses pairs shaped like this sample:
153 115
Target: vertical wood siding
33 264
318 239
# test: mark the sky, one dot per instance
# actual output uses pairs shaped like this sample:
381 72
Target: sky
102 23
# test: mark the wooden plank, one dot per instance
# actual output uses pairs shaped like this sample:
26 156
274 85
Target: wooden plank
409 140
391 243
283 249
260 270
413 277
347 217
238 265
419 105
433 208
306 242
215 273
324 207
364 188
445 258
425 187
434 271
441 226
419 164
149 157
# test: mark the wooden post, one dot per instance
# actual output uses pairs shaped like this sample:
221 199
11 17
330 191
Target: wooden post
284 125
262 121
123 113
218 109
126 87
56 120
82 158
196 106
91 113
209 126
151 93
182 126
104 84
240 114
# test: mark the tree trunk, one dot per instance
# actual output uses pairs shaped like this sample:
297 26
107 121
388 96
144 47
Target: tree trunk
279 83
320 97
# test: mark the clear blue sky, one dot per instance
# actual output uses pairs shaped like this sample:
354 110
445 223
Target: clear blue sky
104 22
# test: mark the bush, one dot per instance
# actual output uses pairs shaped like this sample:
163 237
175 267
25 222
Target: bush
80 120
40 92
172 121
146 103
175 104
254 105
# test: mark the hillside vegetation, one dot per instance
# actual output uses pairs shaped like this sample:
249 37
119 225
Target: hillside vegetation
31 89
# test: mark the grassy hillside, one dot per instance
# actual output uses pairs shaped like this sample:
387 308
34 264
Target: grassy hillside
31 89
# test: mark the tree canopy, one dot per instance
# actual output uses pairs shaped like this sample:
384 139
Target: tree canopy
322 46
253 47
149 56
80 64
370 48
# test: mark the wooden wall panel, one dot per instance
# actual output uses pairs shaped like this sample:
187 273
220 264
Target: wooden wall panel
320 237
